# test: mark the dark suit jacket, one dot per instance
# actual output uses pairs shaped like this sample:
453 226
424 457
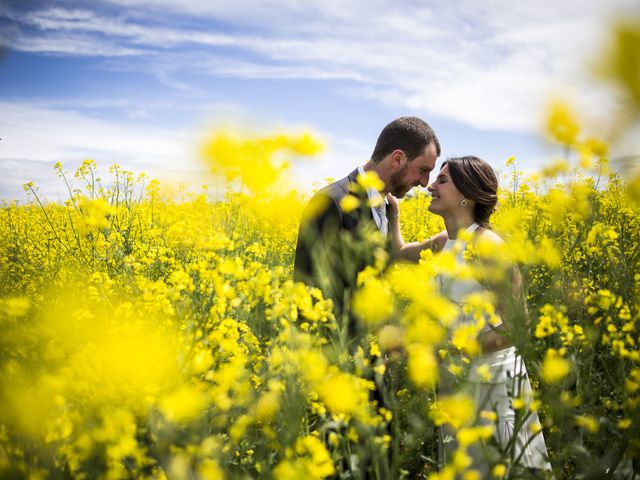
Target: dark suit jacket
333 245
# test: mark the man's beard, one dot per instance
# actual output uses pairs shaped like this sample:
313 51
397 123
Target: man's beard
397 184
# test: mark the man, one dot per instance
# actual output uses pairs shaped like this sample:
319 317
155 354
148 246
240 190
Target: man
334 242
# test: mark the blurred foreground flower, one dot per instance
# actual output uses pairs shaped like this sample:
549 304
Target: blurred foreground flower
95 213
422 365
252 160
374 302
554 368
456 410
562 123
309 459
621 62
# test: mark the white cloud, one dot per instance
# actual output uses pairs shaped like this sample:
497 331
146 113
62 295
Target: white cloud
36 136
485 64
61 20
41 133
77 45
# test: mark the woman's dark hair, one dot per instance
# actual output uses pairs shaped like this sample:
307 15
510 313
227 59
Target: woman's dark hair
477 181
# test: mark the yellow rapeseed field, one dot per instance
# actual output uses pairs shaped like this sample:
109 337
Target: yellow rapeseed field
149 337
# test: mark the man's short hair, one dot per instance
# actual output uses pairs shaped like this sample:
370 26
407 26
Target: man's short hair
409 134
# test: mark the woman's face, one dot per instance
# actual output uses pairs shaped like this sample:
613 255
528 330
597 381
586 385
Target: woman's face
445 197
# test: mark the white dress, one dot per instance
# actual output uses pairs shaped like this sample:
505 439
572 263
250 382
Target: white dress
507 380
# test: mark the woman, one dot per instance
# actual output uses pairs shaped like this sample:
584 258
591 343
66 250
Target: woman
465 195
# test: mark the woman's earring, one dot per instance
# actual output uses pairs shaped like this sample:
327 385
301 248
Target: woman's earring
464 202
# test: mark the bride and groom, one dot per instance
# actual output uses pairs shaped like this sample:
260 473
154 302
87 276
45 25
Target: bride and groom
334 244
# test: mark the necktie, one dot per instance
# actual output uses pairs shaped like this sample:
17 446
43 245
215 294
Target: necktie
382 214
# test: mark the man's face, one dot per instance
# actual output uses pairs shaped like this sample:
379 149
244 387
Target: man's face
413 173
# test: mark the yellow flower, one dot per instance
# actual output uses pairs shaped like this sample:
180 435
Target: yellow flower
554 368
456 369
467 436
370 181
422 365
557 167
15 307
305 144
95 213
548 253
465 338
457 410
562 123
209 469
484 372
447 473
471 475
489 415
313 365
340 393
632 191
499 470
424 329
309 459
236 431
183 405
587 422
267 405
374 302
380 369
179 466
349 203
622 60
624 424
549 321
461 460
253 159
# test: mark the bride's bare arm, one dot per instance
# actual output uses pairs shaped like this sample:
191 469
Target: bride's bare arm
409 251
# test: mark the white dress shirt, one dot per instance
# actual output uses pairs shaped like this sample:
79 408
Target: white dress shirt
374 199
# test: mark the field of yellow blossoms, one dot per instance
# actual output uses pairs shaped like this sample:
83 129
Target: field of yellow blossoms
149 335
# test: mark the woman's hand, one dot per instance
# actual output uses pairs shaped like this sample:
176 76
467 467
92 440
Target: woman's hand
393 205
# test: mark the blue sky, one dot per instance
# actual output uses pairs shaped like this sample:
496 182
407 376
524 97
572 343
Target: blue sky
141 82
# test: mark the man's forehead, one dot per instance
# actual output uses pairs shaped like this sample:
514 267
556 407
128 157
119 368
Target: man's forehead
429 156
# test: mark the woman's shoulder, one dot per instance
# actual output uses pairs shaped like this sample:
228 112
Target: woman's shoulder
487 235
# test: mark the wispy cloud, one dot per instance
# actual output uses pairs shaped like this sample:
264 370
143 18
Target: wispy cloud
37 135
59 19
41 133
486 64
83 45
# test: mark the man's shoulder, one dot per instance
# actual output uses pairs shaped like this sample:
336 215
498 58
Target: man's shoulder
338 189
326 203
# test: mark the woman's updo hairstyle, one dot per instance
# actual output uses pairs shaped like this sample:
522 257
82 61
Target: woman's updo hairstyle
477 181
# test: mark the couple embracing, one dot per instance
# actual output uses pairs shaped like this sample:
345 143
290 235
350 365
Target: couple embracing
334 245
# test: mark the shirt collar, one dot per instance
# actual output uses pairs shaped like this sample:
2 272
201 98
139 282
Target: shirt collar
374 197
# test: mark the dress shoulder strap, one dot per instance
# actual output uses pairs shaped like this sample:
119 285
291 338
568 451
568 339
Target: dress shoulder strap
473 227
451 242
